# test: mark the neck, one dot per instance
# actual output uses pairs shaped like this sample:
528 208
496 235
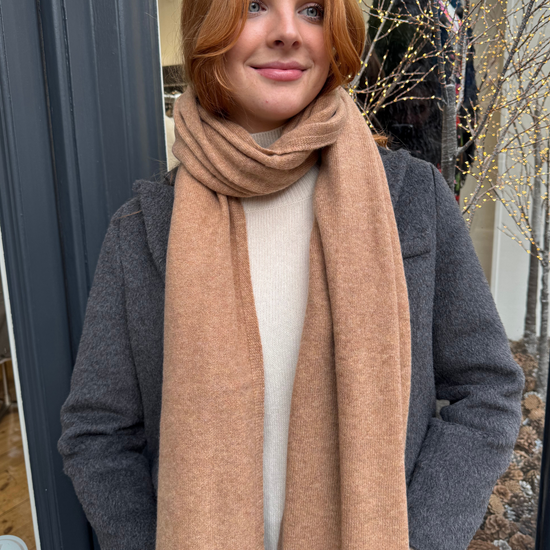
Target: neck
254 125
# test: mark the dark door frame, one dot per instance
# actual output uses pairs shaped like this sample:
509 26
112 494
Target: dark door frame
81 119
543 517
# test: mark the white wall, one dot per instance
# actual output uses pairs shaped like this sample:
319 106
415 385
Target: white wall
510 261
509 276
169 19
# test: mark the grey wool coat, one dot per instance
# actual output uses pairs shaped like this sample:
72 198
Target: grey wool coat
460 353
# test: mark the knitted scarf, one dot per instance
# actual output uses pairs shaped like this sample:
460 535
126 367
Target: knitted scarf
345 480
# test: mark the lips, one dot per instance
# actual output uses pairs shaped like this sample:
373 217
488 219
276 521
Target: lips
283 65
281 71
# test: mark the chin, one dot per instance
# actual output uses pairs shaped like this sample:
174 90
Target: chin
281 115
285 112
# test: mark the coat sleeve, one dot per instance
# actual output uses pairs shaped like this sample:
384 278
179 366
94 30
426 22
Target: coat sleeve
470 447
102 418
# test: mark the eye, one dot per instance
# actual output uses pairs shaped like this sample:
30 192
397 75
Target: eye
314 12
254 7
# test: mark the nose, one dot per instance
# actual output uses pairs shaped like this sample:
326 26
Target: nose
284 32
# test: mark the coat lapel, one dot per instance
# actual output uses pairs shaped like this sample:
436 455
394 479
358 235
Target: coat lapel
156 200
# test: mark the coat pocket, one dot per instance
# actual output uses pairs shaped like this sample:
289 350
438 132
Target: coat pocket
416 245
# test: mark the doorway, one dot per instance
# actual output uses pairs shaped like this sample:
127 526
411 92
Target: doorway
17 507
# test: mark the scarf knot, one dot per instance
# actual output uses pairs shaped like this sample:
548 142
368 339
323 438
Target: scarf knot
223 157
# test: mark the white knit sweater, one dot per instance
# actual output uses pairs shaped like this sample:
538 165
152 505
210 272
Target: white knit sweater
278 230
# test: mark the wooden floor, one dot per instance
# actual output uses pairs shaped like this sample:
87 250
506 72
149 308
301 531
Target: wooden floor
15 508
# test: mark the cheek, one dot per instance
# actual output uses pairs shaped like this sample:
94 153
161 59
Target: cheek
231 61
320 55
239 53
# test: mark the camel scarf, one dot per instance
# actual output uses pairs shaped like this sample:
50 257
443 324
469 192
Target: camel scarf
345 481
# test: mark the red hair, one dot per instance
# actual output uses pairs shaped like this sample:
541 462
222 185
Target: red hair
209 28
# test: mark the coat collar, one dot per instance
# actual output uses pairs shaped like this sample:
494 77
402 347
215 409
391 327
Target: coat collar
157 197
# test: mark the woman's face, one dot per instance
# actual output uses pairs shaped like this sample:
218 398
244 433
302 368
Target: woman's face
279 63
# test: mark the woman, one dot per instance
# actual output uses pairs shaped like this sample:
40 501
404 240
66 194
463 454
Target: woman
269 327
